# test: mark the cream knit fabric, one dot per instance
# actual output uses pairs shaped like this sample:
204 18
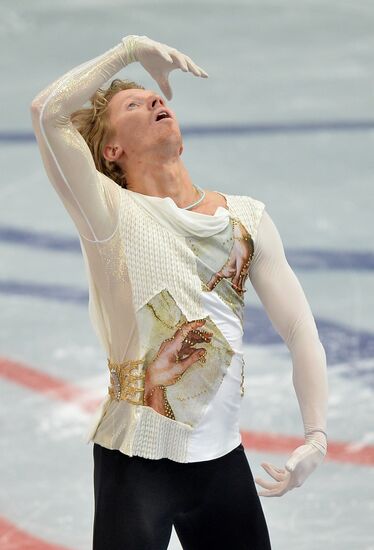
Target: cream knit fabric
146 257
147 284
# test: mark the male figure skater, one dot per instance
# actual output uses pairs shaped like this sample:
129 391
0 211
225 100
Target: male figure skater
167 262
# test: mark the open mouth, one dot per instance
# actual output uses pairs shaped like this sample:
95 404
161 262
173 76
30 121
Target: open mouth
162 115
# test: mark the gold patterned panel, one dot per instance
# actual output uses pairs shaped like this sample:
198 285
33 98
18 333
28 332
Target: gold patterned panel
184 361
223 263
127 381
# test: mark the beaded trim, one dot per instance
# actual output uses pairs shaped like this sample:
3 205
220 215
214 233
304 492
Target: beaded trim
128 384
127 381
168 410
242 379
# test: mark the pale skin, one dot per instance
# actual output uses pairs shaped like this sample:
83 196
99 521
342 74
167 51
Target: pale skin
150 152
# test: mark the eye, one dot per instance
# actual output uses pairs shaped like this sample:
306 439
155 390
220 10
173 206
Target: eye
132 103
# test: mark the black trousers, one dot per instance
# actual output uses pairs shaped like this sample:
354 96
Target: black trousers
212 504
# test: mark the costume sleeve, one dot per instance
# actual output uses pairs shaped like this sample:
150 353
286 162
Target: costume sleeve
91 198
284 301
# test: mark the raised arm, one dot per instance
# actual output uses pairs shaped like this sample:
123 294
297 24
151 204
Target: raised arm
91 198
289 312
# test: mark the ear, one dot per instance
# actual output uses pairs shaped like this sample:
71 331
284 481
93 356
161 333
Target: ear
112 152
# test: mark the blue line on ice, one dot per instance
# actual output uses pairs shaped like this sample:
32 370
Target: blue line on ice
302 127
305 259
342 343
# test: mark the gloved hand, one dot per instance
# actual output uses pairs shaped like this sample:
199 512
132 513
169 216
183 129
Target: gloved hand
159 60
288 309
300 464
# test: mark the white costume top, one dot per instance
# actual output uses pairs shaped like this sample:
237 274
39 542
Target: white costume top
165 282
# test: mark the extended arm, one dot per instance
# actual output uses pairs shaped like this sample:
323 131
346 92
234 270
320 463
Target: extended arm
67 159
289 312
91 198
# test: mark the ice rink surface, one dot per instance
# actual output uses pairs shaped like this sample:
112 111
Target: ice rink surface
286 116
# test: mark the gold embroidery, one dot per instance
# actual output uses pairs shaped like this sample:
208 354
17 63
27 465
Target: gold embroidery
185 378
172 327
168 410
242 379
193 396
127 381
205 335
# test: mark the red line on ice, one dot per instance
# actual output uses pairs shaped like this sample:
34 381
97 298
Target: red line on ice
13 538
58 389
51 386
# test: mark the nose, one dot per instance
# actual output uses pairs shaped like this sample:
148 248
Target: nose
156 101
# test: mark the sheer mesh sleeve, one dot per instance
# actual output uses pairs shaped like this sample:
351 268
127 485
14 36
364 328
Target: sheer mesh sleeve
285 303
91 198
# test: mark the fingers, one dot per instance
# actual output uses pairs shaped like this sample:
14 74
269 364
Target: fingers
274 489
165 87
266 484
180 60
216 278
273 493
185 330
196 355
274 472
166 56
186 64
192 325
195 69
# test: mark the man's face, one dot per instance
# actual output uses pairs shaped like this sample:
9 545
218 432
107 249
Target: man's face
134 114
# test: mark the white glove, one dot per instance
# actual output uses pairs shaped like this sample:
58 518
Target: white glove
288 309
300 464
159 60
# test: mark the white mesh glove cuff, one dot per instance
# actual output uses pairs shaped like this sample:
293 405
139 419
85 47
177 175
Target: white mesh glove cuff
129 43
319 440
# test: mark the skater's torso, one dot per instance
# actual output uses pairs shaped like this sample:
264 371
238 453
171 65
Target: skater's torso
164 269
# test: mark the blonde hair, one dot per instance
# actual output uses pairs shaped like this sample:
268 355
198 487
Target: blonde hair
93 124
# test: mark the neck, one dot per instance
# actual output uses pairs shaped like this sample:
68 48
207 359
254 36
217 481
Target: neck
163 178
